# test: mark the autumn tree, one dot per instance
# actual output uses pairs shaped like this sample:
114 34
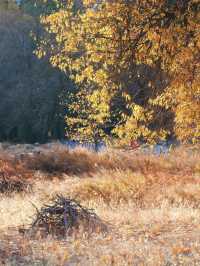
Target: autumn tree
136 64
37 8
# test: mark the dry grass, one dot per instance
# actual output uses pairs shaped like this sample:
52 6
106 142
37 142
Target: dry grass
80 161
151 204
73 162
13 176
111 187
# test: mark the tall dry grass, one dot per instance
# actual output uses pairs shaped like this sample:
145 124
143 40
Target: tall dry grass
150 202
13 176
81 161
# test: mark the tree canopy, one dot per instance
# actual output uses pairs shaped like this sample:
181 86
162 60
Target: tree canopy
100 69
137 66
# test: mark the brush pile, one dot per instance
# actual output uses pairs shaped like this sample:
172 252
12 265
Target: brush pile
63 216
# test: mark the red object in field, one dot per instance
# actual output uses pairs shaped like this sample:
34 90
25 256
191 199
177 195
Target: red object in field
134 144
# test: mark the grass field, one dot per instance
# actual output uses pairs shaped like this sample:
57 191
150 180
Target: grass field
149 203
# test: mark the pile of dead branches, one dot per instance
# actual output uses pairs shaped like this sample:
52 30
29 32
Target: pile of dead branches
63 216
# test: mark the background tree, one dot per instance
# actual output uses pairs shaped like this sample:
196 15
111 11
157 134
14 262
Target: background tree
8 4
31 90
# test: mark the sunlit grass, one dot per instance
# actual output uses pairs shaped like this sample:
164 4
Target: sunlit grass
150 204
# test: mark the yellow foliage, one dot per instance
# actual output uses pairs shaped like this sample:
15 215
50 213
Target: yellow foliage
104 44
